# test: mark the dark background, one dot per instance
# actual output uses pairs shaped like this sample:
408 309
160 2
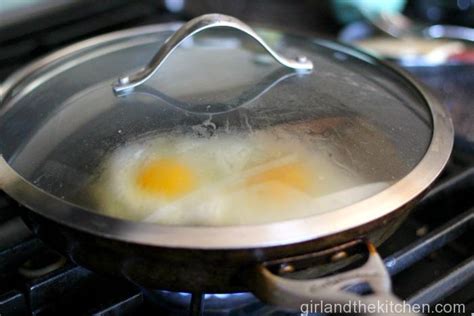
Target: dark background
38 28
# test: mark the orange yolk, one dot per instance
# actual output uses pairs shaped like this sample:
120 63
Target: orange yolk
293 175
166 177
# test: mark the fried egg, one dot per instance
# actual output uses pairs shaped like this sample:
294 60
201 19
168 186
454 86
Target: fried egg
261 177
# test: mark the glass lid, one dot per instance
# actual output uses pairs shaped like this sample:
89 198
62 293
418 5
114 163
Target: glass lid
223 127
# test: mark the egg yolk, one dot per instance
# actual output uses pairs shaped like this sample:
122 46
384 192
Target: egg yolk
293 175
166 177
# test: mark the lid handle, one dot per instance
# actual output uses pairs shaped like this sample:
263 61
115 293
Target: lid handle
192 27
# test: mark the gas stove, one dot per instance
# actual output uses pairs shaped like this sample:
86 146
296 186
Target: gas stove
430 257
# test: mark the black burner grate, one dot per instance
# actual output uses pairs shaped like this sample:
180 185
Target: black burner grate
446 249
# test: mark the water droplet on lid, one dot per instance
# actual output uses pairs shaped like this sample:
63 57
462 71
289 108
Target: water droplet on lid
124 80
302 59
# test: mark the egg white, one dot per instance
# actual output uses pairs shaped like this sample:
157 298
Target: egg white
222 164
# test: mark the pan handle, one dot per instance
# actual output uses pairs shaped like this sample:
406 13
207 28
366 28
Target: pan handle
310 295
192 27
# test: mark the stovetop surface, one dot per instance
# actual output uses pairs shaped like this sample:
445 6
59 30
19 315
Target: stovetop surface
430 256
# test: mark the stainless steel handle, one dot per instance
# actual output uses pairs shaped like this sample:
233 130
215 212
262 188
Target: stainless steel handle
194 26
331 290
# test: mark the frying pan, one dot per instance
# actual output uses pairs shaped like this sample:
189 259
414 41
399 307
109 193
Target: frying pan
43 162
